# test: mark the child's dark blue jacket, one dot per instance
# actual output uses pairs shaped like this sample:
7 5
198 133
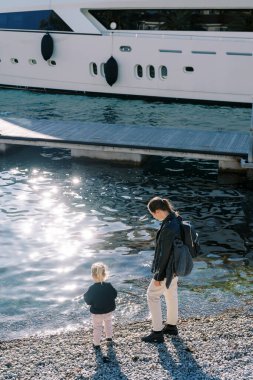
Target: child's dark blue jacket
101 297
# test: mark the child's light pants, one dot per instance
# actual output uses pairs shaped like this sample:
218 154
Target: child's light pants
154 294
98 320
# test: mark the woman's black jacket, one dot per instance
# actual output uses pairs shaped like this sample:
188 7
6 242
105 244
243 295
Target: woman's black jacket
163 261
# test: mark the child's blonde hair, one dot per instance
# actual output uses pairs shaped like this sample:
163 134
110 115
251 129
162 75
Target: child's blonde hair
99 272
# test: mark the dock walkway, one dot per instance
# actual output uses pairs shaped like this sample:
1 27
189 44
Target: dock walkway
127 143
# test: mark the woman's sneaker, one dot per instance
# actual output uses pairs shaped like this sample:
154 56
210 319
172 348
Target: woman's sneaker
170 330
154 337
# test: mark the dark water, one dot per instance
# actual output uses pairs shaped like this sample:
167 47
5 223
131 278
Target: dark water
58 216
117 111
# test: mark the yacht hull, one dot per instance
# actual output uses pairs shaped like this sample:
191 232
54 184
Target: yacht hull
209 68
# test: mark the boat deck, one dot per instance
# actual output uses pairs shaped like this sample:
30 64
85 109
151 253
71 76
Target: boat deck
144 140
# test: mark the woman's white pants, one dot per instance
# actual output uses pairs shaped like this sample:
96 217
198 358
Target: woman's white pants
154 294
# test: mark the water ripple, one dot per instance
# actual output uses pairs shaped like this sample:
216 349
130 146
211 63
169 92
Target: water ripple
58 216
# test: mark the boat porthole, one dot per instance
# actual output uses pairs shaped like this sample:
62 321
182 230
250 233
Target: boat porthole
188 69
151 72
32 61
14 60
138 71
93 69
163 72
125 49
51 62
102 69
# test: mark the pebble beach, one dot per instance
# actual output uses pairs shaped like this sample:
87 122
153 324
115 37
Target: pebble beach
210 348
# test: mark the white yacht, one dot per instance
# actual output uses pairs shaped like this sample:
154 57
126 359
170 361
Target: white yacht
198 50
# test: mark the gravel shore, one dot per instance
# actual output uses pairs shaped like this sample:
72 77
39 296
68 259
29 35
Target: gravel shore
210 348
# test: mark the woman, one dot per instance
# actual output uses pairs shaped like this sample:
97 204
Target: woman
164 282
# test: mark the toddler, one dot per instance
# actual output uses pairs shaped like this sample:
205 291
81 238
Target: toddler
101 298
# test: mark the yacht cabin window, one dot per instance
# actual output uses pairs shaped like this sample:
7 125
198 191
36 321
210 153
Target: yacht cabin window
33 20
151 72
139 71
225 20
163 72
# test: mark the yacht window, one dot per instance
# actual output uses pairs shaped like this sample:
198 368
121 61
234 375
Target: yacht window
51 62
14 60
102 69
151 72
32 61
33 20
139 71
226 20
163 72
93 69
125 48
188 69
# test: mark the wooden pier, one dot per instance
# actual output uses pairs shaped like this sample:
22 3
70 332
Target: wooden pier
233 150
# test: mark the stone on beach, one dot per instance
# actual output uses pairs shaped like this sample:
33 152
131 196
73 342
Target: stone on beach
207 348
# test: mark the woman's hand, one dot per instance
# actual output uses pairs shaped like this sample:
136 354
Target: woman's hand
157 283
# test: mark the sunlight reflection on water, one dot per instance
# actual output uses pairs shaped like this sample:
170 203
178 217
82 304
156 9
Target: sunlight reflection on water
58 216
46 268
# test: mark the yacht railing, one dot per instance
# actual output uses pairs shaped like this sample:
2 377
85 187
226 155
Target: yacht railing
169 35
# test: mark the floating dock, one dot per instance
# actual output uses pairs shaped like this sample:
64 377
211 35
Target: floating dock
233 150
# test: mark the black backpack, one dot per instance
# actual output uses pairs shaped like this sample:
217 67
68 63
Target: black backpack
190 238
182 259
